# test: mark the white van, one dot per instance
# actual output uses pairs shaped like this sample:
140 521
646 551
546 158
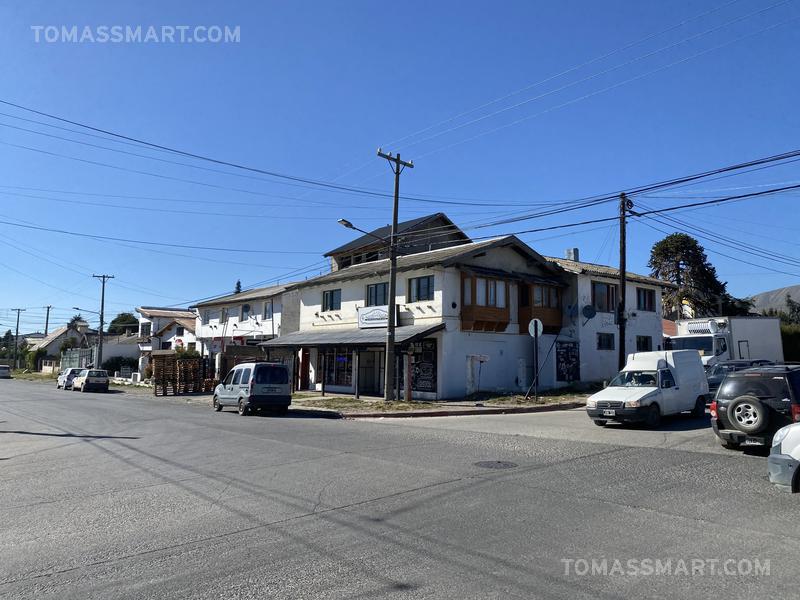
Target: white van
651 385
255 386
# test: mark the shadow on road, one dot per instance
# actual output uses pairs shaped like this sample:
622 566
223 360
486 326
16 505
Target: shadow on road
293 413
74 435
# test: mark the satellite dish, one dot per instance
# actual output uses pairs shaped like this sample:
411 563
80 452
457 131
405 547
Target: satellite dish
589 311
713 327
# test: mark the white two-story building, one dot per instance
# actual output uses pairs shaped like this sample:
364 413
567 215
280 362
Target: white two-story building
463 321
165 329
234 325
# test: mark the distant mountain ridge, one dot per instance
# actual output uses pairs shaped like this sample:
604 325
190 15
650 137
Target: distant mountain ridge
775 298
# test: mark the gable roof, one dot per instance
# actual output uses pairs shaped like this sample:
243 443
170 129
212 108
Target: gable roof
403 227
168 312
187 324
261 293
57 333
584 268
449 256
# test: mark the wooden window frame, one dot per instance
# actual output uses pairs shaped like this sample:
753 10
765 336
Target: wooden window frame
607 336
611 297
375 286
413 289
645 299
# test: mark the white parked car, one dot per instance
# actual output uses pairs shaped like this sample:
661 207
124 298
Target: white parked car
784 458
652 385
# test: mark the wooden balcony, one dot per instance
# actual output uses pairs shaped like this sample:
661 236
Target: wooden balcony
484 318
551 318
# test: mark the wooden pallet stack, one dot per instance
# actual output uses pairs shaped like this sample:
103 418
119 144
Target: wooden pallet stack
189 376
164 372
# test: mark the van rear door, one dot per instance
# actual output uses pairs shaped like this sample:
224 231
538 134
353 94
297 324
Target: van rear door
271 380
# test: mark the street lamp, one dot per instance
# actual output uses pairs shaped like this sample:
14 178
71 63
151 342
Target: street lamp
389 370
85 310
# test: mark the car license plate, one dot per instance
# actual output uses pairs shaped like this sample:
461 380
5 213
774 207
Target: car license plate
609 413
270 390
751 442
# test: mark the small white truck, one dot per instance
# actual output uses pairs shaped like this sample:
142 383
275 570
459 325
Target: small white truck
729 338
651 385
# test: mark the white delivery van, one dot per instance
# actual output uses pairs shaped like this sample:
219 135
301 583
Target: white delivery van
651 385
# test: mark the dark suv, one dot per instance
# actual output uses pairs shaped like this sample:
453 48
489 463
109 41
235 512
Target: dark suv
751 405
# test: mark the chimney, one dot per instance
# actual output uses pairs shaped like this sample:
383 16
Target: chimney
573 254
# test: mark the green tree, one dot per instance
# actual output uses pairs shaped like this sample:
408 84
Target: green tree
238 287
681 259
792 310
123 322
75 320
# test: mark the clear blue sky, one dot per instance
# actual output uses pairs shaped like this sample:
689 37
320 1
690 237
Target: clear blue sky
313 88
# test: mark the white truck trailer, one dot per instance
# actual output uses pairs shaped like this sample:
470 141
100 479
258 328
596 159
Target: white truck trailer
729 338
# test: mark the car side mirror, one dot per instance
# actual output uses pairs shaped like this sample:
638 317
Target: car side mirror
666 384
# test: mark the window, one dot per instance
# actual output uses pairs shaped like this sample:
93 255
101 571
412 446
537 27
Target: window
467 296
667 380
501 294
245 376
166 345
206 317
605 341
223 316
538 296
345 262
491 292
271 375
378 294
644 343
245 314
146 329
338 366
237 377
554 298
180 331
546 296
480 291
604 297
421 289
721 346
191 346
228 379
645 299
524 295
267 309
331 300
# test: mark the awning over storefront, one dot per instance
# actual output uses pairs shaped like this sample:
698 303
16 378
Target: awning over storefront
351 337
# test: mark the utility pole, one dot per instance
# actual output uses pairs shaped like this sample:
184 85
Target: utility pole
47 319
397 167
16 337
679 291
103 279
624 206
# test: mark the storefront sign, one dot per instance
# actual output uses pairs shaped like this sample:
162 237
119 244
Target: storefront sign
373 316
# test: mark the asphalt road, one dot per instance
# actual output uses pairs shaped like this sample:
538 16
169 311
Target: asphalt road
123 496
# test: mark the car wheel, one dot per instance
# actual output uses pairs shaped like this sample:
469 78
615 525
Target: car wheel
747 414
699 410
243 410
217 406
653 418
599 422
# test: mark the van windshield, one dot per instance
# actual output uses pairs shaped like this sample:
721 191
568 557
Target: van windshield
634 379
271 375
702 343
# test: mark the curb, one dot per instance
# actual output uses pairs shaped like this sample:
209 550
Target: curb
513 410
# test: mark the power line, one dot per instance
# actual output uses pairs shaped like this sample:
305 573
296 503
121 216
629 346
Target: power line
608 88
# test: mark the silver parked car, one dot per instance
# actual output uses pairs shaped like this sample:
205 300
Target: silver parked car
255 386
65 378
